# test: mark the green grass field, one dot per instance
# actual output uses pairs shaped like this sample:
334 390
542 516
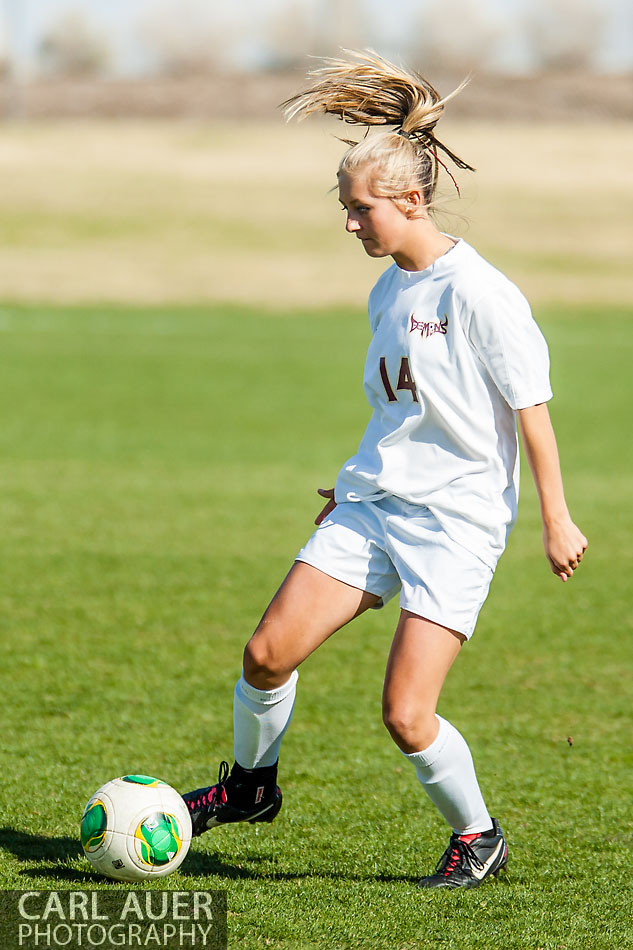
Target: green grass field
158 472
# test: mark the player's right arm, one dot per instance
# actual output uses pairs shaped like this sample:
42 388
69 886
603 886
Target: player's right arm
329 507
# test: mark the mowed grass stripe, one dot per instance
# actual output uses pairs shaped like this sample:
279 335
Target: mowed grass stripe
156 484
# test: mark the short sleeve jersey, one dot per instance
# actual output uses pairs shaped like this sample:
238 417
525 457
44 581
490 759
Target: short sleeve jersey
454 352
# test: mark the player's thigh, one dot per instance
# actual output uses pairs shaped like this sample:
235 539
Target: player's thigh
307 609
422 653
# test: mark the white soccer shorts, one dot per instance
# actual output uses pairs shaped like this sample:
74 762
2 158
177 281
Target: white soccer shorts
389 545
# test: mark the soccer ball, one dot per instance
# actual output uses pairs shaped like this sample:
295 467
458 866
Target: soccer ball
135 827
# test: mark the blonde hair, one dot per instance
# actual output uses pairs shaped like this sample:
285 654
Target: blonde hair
369 90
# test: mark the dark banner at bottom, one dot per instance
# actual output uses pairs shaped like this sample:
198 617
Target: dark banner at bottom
163 920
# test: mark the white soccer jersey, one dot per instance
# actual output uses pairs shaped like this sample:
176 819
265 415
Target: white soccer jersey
455 351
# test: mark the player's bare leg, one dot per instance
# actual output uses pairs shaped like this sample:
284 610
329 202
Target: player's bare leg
307 609
421 655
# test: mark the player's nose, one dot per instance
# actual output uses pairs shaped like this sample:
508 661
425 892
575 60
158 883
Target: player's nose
351 224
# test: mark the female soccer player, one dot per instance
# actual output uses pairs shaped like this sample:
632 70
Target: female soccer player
426 504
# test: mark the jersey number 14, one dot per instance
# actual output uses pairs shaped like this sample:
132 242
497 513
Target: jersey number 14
405 379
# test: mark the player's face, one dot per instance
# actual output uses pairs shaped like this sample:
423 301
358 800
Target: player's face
376 221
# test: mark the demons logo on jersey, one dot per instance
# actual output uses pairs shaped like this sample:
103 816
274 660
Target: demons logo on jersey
428 329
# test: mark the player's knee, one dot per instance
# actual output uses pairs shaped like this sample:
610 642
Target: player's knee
398 724
408 726
263 667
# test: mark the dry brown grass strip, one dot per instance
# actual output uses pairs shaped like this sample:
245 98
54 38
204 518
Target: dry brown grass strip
156 212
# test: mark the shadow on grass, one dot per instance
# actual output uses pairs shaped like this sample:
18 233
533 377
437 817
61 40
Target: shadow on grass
204 864
66 874
27 847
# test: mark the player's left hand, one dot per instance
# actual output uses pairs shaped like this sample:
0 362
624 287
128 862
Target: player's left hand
565 545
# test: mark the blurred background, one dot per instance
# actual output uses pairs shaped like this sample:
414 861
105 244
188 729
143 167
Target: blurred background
44 42
143 156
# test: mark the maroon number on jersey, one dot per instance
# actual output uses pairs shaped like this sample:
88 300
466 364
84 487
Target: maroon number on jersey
405 379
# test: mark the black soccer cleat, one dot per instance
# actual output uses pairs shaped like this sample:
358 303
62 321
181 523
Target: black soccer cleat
469 863
210 806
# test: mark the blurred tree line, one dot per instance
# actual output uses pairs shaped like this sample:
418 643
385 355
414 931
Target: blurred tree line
190 37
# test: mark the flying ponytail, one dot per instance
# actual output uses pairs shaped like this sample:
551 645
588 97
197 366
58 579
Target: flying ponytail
368 90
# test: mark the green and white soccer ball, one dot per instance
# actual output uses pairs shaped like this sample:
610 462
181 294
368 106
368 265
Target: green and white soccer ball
134 828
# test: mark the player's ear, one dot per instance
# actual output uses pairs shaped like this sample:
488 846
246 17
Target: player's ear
413 203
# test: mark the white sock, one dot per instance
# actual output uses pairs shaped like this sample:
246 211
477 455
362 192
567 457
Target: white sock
260 719
447 773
